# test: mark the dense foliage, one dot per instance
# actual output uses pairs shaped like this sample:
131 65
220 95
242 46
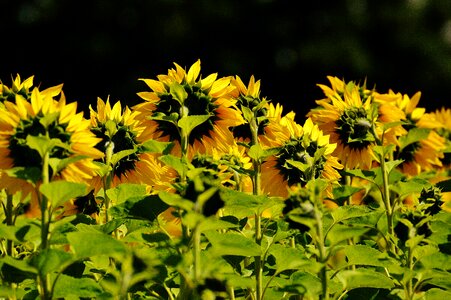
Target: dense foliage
208 190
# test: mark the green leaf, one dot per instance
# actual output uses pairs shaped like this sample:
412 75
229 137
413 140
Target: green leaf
307 284
67 286
257 153
437 294
174 162
188 123
366 256
178 92
176 201
348 212
364 174
116 157
414 135
140 207
241 204
154 146
29 174
88 244
58 164
49 119
343 192
414 185
59 192
340 233
288 258
50 260
124 191
362 278
215 224
247 113
232 243
44 144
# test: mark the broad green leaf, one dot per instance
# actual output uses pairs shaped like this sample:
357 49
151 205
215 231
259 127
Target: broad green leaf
87 244
58 164
342 213
174 162
299 165
29 174
414 185
116 157
241 203
176 201
215 224
414 135
343 192
361 278
154 146
366 256
437 260
364 174
44 144
178 92
123 191
59 192
288 258
67 286
437 294
307 284
257 153
141 207
340 233
188 123
232 243
50 260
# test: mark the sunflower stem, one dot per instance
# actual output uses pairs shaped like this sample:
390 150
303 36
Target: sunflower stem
44 280
9 221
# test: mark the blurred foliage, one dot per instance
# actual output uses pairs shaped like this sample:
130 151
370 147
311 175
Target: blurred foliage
101 48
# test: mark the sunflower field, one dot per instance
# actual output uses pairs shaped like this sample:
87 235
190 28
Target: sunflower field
207 190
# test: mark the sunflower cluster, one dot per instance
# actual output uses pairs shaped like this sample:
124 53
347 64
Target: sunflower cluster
216 123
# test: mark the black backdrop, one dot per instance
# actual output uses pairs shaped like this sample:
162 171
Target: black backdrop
99 48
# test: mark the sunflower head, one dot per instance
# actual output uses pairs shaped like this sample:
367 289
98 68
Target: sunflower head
349 117
253 107
184 95
18 88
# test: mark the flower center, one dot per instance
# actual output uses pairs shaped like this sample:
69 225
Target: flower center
309 164
24 156
122 139
197 103
354 128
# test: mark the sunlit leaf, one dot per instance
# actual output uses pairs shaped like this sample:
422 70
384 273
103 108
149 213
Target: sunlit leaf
362 277
67 286
87 244
232 244
59 192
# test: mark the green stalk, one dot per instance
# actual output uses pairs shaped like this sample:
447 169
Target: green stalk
196 254
387 203
44 281
256 180
320 237
9 221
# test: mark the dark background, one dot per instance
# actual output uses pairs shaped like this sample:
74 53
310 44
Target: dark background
99 48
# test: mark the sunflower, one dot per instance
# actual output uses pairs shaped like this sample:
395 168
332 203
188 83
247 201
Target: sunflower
181 93
18 88
421 148
348 117
120 131
44 116
306 155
